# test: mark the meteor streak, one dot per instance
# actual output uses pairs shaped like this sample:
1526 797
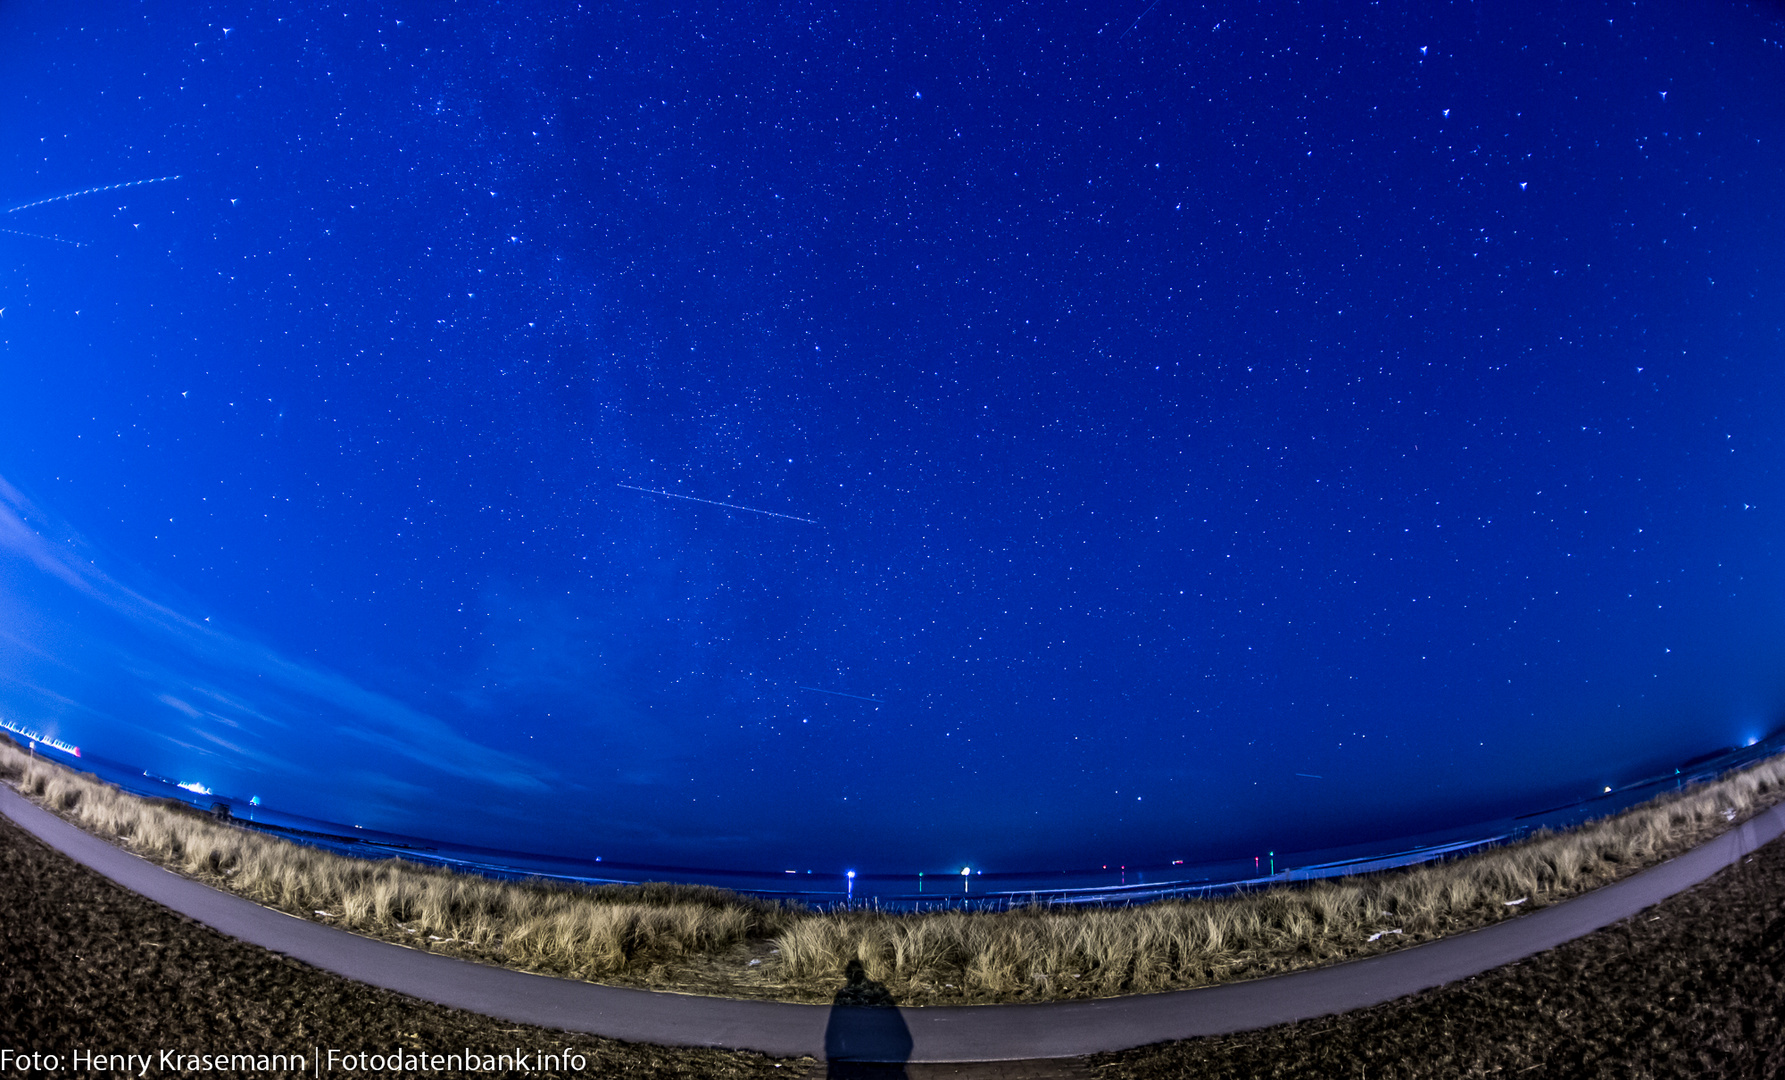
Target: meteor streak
839 693
728 506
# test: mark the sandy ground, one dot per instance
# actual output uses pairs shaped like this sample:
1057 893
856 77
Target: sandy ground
86 965
1692 988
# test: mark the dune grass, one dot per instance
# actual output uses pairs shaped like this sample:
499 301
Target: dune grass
703 940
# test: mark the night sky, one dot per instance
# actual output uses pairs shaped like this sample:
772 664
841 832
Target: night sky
1024 435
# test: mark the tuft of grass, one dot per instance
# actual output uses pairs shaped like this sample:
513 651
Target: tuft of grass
88 964
705 940
585 932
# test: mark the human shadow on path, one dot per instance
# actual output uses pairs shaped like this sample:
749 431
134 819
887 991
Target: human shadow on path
866 1038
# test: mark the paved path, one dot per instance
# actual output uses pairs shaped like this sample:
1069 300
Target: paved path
933 1034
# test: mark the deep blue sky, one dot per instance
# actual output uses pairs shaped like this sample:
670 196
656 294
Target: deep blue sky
1182 431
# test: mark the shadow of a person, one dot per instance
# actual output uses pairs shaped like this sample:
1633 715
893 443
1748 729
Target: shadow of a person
865 1037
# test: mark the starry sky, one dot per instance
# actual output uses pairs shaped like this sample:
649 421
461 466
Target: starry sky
902 435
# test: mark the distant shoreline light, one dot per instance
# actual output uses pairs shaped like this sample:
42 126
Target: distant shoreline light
39 737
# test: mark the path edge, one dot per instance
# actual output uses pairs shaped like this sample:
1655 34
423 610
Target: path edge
938 1034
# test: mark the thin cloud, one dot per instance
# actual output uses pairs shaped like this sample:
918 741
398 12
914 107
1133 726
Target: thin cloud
243 683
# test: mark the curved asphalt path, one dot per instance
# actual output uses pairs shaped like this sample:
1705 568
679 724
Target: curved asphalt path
933 1034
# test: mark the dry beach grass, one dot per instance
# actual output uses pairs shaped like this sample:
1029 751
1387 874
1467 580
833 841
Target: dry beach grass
1688 988
702 940
87 965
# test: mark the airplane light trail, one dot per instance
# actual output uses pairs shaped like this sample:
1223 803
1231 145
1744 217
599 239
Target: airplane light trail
839 693
728 506
40 236
91 191
38 737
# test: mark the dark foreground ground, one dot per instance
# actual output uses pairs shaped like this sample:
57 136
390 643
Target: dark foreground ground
84 964
1692 988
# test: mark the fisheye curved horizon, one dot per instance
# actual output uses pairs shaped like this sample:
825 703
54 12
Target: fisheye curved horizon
983 437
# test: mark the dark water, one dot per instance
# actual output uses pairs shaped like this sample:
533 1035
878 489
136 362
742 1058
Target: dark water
984 888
